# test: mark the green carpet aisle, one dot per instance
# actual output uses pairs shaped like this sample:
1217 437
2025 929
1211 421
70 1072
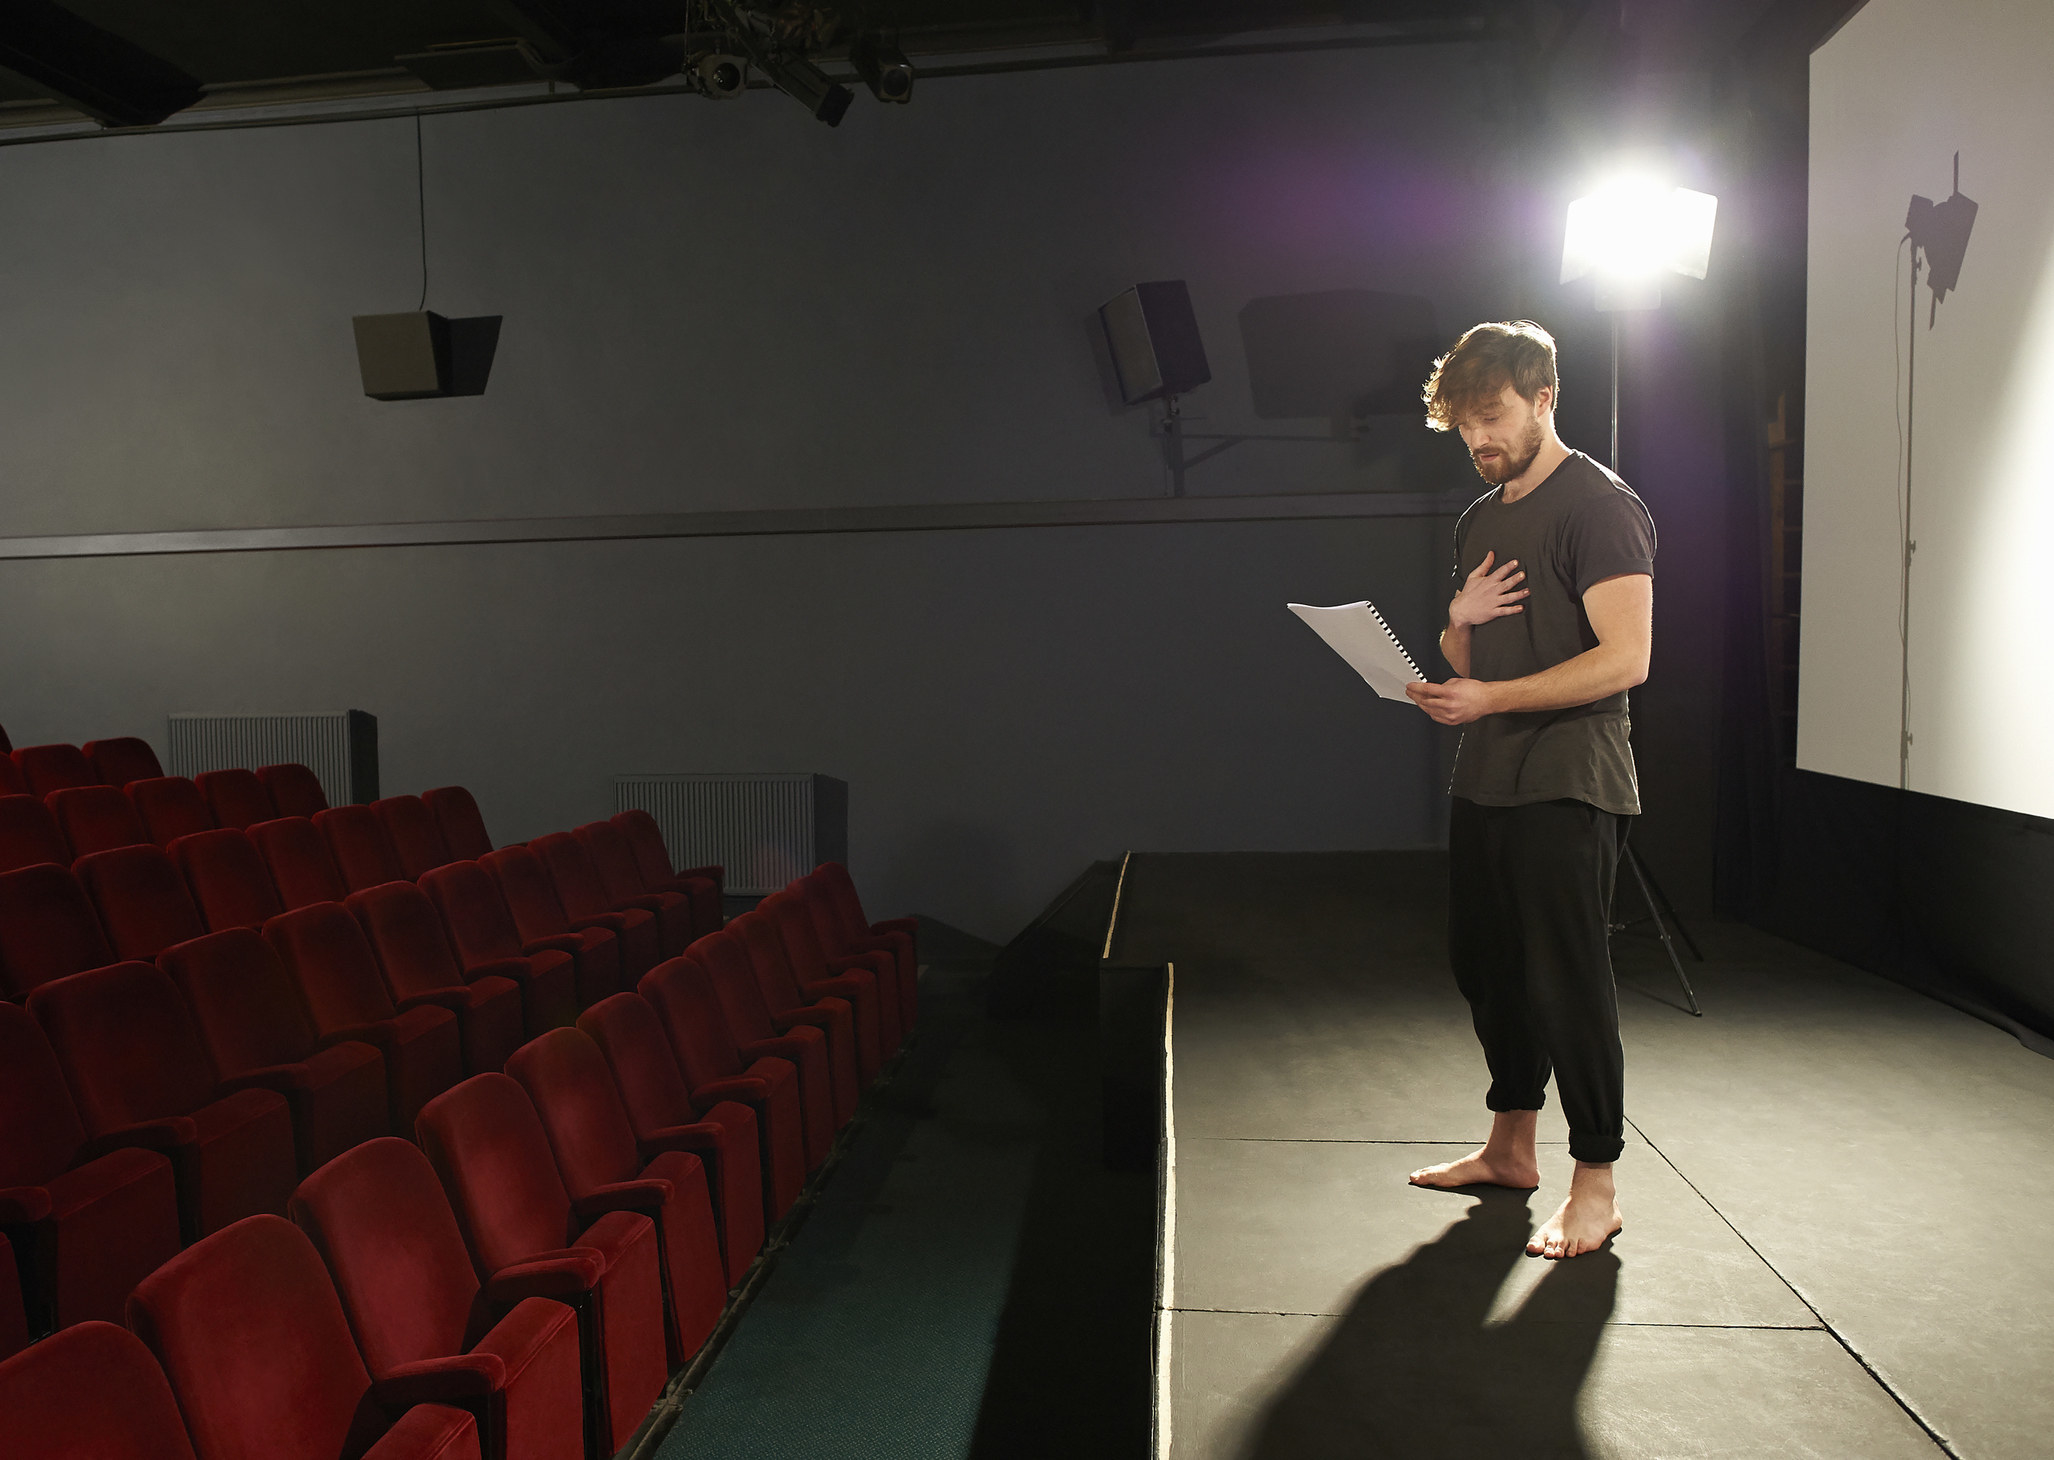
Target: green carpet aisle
966 1221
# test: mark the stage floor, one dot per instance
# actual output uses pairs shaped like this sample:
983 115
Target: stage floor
1838 1198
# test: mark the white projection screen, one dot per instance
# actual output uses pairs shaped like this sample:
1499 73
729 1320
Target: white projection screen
1900 89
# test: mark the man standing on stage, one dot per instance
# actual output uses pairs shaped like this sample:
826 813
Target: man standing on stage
1550 626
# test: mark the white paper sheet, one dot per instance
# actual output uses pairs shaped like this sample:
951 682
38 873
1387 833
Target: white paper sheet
1358 633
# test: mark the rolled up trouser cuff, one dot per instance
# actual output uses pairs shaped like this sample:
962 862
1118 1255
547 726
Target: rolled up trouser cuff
1595 1150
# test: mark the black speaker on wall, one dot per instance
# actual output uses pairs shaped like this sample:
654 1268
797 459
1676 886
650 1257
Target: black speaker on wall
1153 335
403 356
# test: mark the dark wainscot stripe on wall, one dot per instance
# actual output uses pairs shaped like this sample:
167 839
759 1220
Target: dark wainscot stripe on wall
938 517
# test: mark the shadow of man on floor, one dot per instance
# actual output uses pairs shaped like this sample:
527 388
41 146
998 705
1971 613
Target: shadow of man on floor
1414 1368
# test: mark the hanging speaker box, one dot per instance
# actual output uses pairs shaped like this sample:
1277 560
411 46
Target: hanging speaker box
403 356
1153 335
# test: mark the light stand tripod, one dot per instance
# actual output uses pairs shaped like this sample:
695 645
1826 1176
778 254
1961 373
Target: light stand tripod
1651 894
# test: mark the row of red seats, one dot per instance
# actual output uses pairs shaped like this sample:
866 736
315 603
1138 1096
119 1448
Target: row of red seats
40 770
638 1138
574 893
248 1059
355 1013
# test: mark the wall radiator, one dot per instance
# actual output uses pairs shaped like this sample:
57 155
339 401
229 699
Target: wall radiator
341 747
765 828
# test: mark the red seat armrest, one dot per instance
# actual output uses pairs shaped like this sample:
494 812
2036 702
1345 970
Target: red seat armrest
454 1000
516 969
734 1087
167 1135
269 1077
702 1139
645 1196
20 1205
569 1272
783 1049
556 942
452 1380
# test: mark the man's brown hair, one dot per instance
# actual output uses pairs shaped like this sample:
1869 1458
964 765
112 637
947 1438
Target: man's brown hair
1485 360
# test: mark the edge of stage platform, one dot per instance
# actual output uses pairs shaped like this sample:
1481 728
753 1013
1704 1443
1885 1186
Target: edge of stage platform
1136 1005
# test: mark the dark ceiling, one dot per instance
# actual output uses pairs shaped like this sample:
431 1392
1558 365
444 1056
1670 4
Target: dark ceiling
136 62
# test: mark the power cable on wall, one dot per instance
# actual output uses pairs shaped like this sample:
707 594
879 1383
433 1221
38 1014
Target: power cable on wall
421 208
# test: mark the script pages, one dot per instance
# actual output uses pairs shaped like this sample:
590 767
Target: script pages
1358 633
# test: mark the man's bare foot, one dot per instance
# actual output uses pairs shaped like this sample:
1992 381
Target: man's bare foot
1506 1159
1584 1221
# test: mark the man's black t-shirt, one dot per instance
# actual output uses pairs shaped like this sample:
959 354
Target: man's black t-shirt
1579 526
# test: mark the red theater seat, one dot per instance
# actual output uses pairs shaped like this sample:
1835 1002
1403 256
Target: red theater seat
712 1058
463 828
753 1140
171 807
29 835
85 1227
255 1344
337 973
421 967
890 955
48 929
645 837
380 1221
489 1149
486 941
363 852
540 919
677 919
841 890
93 1392
133 1060
817 1041
415 836
123 759
624 864
11 783
603 1171
856 977
237 796
255 1025
583 895
47 768
851 1038
143 902
14 1321
295 790
96 819
302 868
230 884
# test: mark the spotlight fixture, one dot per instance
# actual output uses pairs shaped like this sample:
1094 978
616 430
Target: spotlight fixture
800 79
883 67
722 76
1630 232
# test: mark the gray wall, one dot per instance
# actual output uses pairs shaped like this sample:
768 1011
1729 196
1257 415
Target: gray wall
729 306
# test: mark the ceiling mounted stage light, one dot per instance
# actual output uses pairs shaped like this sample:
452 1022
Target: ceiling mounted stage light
722 76
883 67
799 78
1631 232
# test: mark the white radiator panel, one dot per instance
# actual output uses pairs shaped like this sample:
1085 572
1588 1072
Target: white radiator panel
339 746
764 828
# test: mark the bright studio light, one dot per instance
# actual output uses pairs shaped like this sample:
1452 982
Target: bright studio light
1632 231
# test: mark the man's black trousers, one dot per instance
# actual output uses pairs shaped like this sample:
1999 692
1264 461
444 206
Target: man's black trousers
1529 913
